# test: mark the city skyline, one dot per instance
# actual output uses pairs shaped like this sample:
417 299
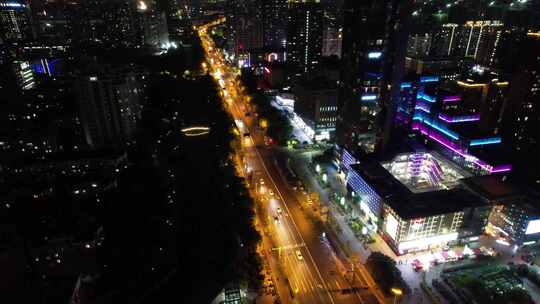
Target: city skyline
270 151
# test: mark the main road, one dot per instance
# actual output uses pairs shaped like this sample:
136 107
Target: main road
314 270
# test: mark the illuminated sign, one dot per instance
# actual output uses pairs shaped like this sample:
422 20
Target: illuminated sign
374 55
405 85
429 78
12 4
272 57
429 241
533 227
369 97
391 227
417 224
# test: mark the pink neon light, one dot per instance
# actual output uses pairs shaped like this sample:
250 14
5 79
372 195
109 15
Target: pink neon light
502 168
452 98
448 144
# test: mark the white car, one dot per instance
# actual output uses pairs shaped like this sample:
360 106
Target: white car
271 192
279 210
299 255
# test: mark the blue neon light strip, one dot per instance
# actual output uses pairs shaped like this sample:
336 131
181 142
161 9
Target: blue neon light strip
425 97
369 97
422 108
405 85
485 141
374 55
429 78
436 127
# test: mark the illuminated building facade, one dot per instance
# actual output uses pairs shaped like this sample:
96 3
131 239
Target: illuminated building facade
416 201
452 123
15 21
373 57
515 217
304 34
316 105
24 75
477 40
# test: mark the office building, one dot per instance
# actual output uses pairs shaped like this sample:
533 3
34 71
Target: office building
316 105
15 21
419 45
153 24
522 113
515 217
274 12
110 104
476 40
304 34
373 54
244 26
332 31
24 75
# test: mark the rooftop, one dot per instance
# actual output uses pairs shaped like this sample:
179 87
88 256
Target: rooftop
423 172
418 184
493 187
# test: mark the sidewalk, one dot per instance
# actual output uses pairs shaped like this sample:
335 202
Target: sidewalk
351 244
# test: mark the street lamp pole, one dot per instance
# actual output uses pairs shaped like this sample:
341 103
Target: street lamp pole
397 292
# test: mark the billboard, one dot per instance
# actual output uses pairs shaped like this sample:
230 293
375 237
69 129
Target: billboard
533 227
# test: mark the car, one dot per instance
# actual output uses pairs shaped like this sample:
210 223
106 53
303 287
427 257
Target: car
246 134
248 113
276 220
417 265
446 248
299 255
271 192
279 210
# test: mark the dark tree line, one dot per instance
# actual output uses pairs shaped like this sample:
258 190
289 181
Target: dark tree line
181 194
279 126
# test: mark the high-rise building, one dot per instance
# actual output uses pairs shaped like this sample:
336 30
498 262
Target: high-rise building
153 24
521 113
444 40
332 32
419 45
15 21
120 22
274 13
110 103
373 55
316 105
477 40
304 34
244 25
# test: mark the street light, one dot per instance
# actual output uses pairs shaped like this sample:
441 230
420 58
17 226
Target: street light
397 292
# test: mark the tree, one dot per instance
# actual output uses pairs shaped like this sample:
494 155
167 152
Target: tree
384 270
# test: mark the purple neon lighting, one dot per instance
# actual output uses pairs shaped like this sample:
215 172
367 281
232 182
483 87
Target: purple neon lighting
450 145
456 119
502 168
452 98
